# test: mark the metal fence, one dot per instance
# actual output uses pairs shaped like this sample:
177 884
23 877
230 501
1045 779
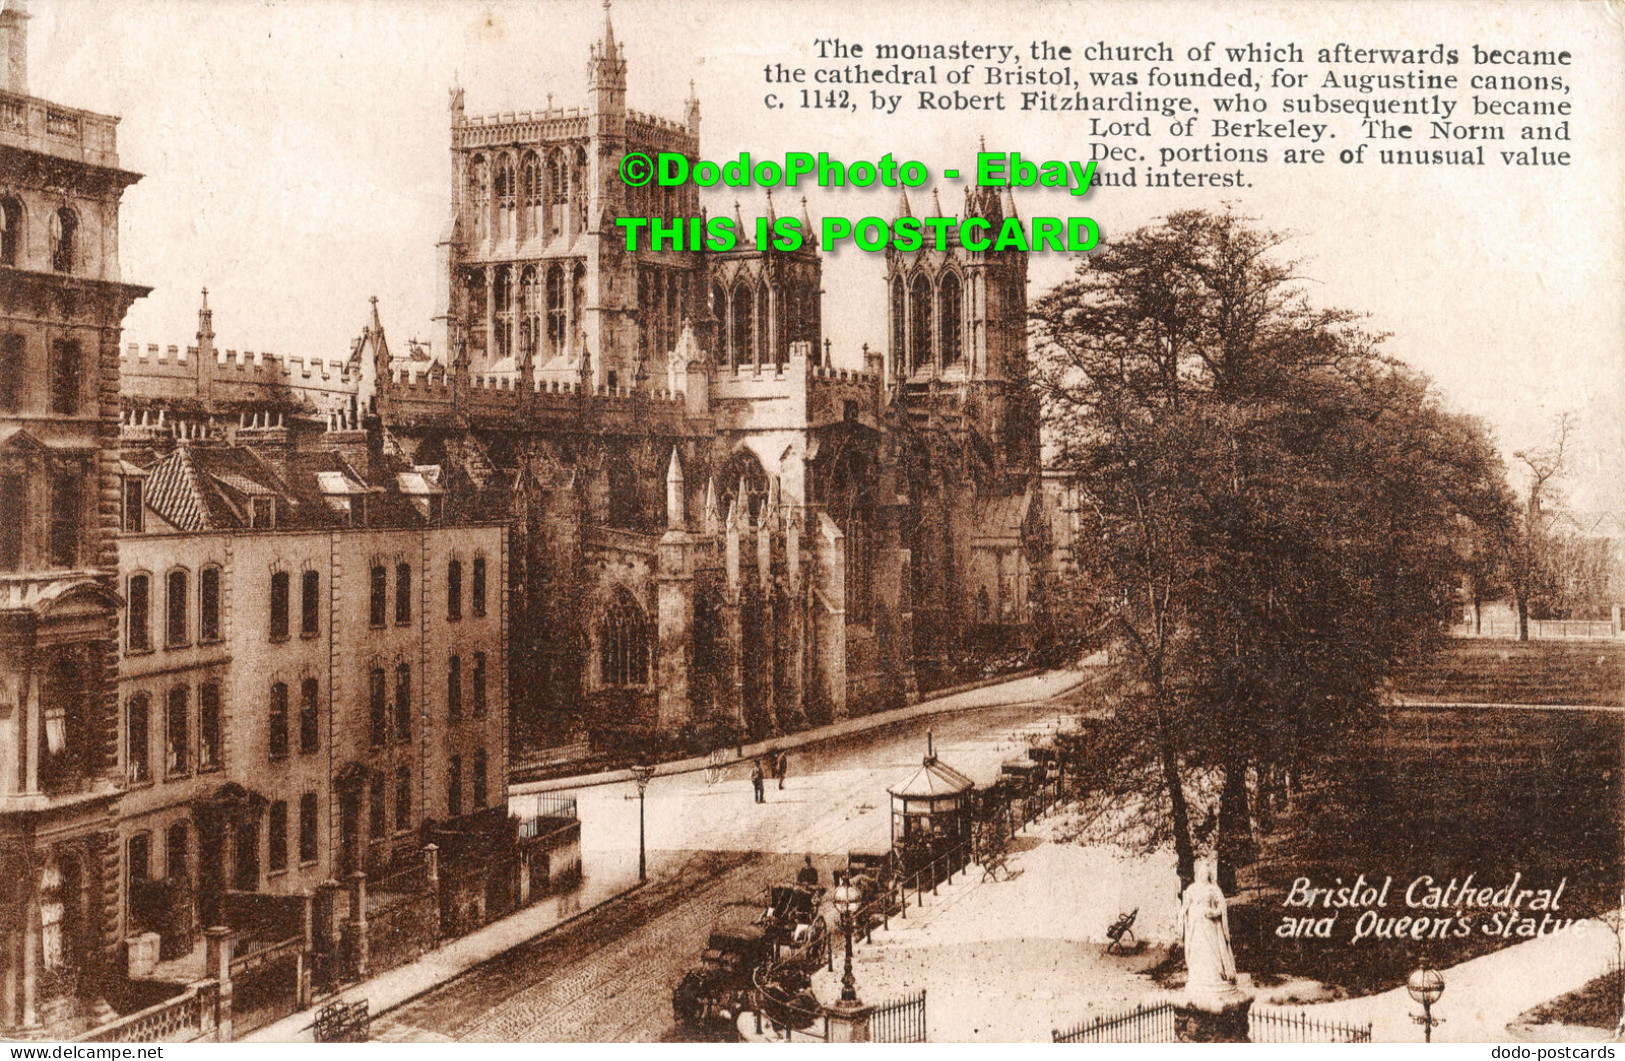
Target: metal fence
1279 1026
902 1020
1142 1024
265 985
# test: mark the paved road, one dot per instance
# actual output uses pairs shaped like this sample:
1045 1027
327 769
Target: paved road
607 977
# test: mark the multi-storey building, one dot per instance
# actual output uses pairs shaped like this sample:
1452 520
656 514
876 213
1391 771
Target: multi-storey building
313 674
61 307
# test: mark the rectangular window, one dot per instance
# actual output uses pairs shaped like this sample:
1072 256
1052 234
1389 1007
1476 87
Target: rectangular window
278 820
403 702
178 597
278 715
177 852
479 685
378 707
454 590
454 690
403 593
208 725
310 603
480 796
67 510
478 588
13 373
307 827
64 375
262 513
177 730
208 615
309 716
380 595
377 811
279 605
13 515
137 746
403 799
454 787
135 508
140 862
139 636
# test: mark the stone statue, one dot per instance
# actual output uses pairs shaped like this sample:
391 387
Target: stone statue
1205 924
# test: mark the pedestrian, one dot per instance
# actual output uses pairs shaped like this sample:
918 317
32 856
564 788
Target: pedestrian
781 765
808 874
756 781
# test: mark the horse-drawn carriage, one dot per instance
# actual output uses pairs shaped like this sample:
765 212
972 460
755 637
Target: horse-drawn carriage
783 941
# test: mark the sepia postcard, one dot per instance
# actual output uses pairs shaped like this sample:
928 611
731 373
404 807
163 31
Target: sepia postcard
954 522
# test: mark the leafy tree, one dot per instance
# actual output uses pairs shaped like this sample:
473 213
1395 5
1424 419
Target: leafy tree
1278 511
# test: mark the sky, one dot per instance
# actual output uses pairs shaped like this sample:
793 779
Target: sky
296 160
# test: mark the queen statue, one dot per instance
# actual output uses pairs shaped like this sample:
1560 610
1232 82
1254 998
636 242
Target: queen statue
1205 924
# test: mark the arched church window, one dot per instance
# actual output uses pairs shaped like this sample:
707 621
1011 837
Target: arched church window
950 318
530 193
849 500
502 301
529 314
555 311
719 310
479 195
558 191
64 239
764 317
624 643
899 328
578 184
505 196
11 230
742 351
578 301
920 306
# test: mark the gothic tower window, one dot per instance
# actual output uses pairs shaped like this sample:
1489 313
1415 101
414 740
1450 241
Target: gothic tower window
530 316
624 643
558 190
476 311
530 191
555 311
849 500
11 230
505 196
743 351
769 342
719 310
502 300
899 328
578 182
64 239
479 195
578 301
950 316
920 305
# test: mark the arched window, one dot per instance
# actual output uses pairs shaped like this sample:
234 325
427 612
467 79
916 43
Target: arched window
403 701
177 599
479 685
208 616
137 738
403 593
530 191
505 190
139 607
530 314
478 589
454 590
279 605
920 306
558 192
768 342
578 305
849 500
743 352
377 707
481 796
403 798
555 311
475 309
502 301
624 643
310 699
64 240
310 604
278 716
578 188
719 310
479 195
454 689
379 597
623 493
950 318
11 231
899 328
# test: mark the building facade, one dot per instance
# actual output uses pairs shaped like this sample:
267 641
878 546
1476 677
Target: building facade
62 304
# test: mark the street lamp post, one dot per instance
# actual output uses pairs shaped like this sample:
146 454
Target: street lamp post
642 775
1425 986
847 899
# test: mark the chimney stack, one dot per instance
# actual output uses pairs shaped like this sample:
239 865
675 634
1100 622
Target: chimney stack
14 43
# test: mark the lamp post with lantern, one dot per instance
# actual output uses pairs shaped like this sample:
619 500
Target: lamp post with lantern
1425 986
848 1018
642 774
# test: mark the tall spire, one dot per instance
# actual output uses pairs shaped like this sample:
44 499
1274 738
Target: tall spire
609 35
903 209
205 320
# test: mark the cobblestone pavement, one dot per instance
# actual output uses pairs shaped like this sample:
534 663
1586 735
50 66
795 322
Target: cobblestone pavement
608 976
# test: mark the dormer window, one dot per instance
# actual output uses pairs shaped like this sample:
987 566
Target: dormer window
262 513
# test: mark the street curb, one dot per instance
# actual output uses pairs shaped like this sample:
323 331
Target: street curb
805 738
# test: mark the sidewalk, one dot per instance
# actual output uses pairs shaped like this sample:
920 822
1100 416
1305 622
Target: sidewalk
1028 689
400 985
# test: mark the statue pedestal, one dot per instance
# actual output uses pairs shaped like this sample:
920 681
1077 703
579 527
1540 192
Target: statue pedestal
1213 1015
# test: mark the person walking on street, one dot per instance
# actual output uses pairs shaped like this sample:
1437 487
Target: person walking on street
756 781
781 764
